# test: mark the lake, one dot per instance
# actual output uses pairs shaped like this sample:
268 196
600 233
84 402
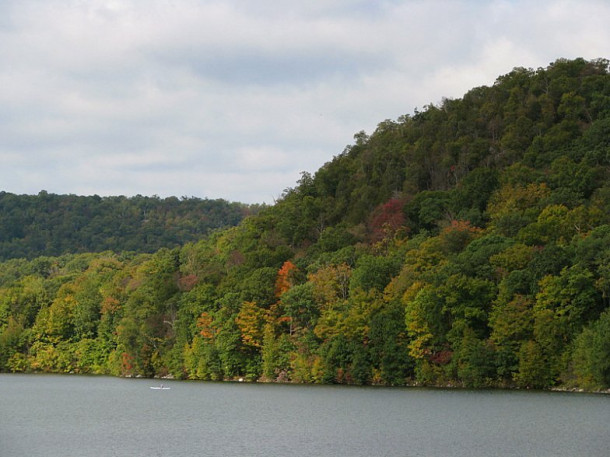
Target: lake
52 416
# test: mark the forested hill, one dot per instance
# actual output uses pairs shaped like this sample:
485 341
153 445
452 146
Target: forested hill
467 244
50 225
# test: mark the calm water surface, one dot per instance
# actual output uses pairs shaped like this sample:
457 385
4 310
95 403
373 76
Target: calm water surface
67 416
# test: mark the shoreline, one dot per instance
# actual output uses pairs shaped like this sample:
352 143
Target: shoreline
448 386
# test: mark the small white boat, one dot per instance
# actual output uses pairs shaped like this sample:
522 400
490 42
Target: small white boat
161 387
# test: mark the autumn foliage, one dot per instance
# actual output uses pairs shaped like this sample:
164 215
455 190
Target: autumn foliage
467 244
387 219
285 278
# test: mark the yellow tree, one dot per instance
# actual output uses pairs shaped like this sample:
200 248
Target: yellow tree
251 320
331 283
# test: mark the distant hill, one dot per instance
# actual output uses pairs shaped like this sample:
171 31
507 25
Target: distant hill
48 224
465 245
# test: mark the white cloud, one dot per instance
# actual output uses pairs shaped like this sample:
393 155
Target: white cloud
233 99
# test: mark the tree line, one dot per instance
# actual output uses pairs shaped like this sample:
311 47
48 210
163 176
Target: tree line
467 244
51 225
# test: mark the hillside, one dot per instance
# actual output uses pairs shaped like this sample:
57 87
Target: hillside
50 225
467 244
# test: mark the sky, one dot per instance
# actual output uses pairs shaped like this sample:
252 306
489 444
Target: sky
234 99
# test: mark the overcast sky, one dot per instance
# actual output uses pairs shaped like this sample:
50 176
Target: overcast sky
234 99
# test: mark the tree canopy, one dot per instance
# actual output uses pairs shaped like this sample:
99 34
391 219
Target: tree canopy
467 244
50 225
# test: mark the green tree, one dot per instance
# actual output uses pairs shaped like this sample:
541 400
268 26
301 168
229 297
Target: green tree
591 355
534 368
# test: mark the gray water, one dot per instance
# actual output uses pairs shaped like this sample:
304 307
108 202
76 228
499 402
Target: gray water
67 416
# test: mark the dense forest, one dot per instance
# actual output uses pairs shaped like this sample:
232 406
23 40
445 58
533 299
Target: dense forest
467 244
51 225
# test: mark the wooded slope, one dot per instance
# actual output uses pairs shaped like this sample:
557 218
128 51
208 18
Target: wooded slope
468 244
50 225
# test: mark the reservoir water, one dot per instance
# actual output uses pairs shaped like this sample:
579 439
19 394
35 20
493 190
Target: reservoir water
76 416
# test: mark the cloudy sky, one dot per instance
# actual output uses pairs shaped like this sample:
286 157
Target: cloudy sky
234 99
